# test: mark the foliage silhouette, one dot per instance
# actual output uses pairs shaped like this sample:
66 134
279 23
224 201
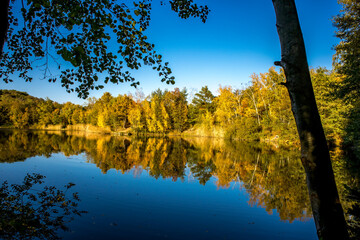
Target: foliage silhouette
90 37
29 213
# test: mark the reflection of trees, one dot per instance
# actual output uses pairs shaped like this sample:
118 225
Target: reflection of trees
161 157
273 178
19 145
347 176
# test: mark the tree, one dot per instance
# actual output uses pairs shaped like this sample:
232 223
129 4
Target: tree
201 104
92 111
120 108
203 101
225 106
80 31
19 115
45 110
67 112
78 116
347 57
4 26
332 110
347 63
166 121
137 118
153 114
176 106
328 214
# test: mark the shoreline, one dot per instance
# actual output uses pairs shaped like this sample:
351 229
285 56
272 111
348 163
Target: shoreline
192 133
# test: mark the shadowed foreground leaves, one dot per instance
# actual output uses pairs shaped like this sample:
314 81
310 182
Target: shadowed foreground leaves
28 211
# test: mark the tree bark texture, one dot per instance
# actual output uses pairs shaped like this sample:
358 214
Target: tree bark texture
4 23
327 211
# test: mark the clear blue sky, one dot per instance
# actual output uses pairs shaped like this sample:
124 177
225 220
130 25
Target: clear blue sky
238 39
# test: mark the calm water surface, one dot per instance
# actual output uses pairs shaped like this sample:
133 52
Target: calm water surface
159 188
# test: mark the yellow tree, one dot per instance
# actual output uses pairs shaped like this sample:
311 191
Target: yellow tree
119 111
137 118
151 115
19 115
101 110
66 113
226 106
176 106
166 121
78 116
103 118
45 109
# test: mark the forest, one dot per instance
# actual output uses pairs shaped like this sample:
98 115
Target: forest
260 111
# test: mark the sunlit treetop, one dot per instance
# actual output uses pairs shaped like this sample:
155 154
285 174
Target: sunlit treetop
85 38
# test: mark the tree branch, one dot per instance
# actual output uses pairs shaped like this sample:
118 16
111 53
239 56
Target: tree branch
4 23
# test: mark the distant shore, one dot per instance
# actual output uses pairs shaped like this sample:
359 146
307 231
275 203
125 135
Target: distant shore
194 132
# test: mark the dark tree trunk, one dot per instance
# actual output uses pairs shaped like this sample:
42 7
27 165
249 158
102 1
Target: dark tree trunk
4 23
327 211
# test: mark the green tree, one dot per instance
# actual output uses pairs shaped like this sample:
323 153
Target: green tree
202 103
347 63
347 57
176 107
331 109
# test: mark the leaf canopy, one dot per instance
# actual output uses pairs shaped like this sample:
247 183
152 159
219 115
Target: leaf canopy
86 38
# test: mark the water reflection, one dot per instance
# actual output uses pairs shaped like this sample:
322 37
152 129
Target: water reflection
273 178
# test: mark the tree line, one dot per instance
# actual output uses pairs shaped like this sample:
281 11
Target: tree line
259 111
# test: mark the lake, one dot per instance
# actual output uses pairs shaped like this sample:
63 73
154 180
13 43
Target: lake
167 188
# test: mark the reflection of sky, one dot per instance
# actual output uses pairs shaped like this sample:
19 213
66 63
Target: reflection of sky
121 206
239 39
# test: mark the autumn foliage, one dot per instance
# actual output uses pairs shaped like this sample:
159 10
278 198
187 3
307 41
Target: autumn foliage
260 111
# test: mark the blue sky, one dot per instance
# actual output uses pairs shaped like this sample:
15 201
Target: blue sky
238 39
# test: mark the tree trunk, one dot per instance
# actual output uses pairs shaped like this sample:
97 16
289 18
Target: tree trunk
4 23
327 211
